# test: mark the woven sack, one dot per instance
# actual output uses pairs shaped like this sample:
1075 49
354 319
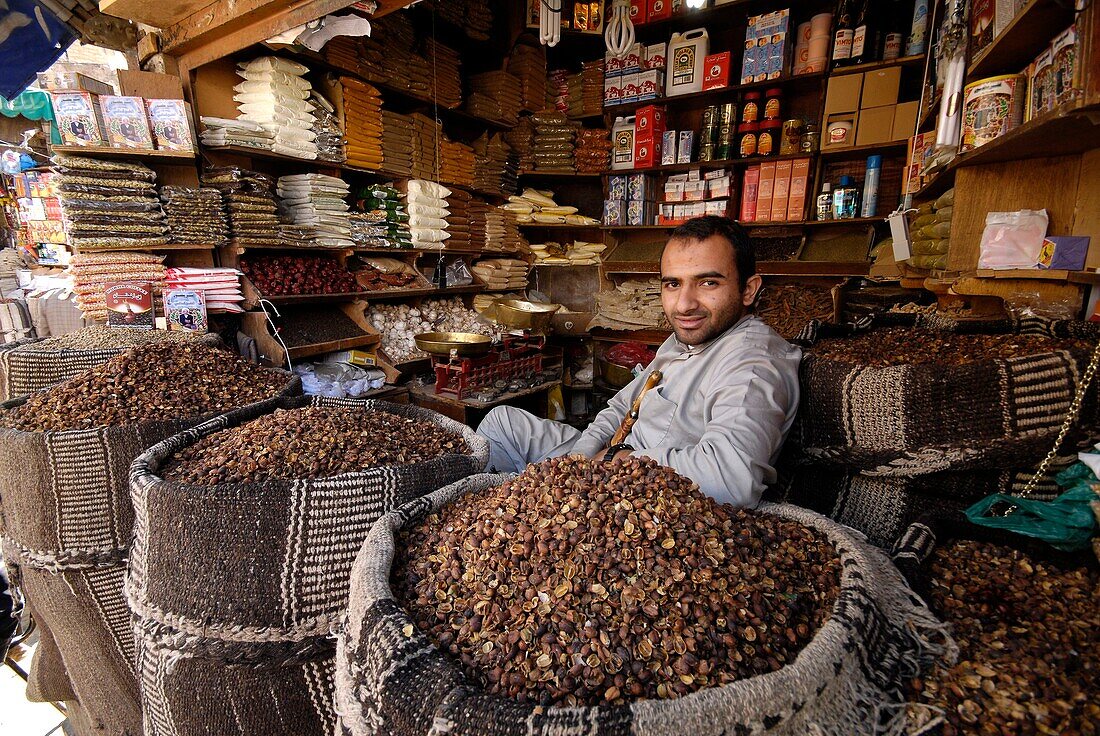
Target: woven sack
237 588
881 507
66 520
25 371
915 419
844 682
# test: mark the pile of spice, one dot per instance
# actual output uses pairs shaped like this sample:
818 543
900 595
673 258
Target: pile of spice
902 346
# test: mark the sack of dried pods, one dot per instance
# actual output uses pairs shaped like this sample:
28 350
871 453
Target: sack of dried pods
582 593
282 498
65 455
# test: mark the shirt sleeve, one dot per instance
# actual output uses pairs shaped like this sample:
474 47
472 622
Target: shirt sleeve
747 419
598 434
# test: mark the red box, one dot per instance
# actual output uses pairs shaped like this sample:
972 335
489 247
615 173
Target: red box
781 191
749 190
639 11
647 151
716 71
649 121
658 10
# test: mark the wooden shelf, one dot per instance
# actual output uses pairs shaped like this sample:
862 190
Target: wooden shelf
751 225
332 346
649 337
852 221
372 295
852 152
558 226
876 65
122 152
536 174
1073 277
710 165
937 185
1025 38
262 153
712 94
139 248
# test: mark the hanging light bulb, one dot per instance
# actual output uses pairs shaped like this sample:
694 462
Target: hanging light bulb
618 31
696 4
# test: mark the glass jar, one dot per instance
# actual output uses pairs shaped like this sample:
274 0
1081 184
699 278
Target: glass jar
791 141
767 143
748 133
810 140
750 112
772 103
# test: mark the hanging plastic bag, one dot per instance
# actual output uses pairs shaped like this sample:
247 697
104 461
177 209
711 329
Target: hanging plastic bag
1066 523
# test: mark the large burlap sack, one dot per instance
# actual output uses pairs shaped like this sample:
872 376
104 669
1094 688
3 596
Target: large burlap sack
882 507
845 682
915 419
66 520
237 588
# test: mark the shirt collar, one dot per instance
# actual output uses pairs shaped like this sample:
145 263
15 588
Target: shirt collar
683 349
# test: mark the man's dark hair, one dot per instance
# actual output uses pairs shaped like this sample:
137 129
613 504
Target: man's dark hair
701 228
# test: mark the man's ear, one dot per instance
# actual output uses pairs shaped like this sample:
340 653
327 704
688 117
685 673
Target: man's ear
752 288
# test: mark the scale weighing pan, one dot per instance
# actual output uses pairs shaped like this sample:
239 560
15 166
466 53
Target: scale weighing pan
465 344
520 314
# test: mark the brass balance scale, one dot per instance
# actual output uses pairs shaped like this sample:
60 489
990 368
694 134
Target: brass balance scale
472 366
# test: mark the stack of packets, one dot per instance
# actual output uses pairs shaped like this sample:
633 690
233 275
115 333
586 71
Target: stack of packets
458 221
496 167
427 137
555 138
220 287
475 17
274 94
249 200
318 208
496 96
221 132
426 203
478 214
109 204
92 272
387 56
446 64
578 253
502 274
397 144
502 234
363 122
557 91
326 126
457 163
521 139
343 52
380 220
482 302
195 215
632 305
593 152
539 206
528 64
585 91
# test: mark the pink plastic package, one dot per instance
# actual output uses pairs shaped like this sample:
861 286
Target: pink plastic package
1013 239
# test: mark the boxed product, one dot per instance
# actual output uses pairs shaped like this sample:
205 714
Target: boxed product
632 62
616 187
639 11
650 121
719 208
61 80
717 74
639 213
766 47
685 146
695 191
656 56
674 191
667 214
185 310
77 117
171 125
800 181
988 19
612 64
630 87
125 122
640 188
614 212
765 190
749 64
1066 252
612 89
781 191
1041 83
651 84
718 188
920 146
130 304
658 10
668 144
647 151
1064 53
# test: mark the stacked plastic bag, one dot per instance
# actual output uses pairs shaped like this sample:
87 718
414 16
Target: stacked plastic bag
275 95
194 215
502 274
539 206
109 204
249 200
555 138
426 203
330 136
221 287
380 220
577 253
521 139
221 132
502 234
593 152
318 207
931 232
338 380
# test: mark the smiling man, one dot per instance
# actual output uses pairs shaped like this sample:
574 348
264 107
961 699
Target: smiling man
728 390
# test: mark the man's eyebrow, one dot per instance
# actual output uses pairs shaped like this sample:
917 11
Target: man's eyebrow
698 276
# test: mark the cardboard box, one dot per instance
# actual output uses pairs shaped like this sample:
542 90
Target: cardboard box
717 208
77 117
617 187
718 188
130 305
918 145
656 56
640 188
57 80
612 89
612 64
905 120
674 191
647 151
800 181
880 87
651 84
658 10
614 212
695 191
781 192
632 62
843 93
639 11
875 125
716 73
638 213
650 121
685 146
1064 252
1066 53
750 187
125 122
666 214
170 123
668 142
765 191
632 86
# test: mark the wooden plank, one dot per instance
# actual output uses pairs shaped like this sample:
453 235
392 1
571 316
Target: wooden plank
107 151
150 85
1041 183
1039 292
157 15
1025 37
1086 219
1073 277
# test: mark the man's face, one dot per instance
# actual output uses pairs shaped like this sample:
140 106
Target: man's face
700 289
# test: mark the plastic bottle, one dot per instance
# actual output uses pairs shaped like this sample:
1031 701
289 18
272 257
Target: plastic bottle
870 186
846 199
825 202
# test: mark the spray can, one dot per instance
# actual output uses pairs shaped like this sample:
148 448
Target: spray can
870 186
919 36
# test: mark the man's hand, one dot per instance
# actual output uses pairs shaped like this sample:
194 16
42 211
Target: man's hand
625 453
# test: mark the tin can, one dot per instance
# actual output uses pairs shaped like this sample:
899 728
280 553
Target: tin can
727 114
706 152
791 139
710 116
991 108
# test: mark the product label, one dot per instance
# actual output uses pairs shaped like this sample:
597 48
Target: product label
766 144
771 109
624 147
842 44
750 113
130 304
893 46
859 41
185 310
748 144
683 66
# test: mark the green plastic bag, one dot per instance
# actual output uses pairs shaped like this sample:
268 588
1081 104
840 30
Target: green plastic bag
1066 523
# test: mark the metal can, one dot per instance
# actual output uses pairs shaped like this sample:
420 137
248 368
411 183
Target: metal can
727 114
792 138
706 152
710 116
810 140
